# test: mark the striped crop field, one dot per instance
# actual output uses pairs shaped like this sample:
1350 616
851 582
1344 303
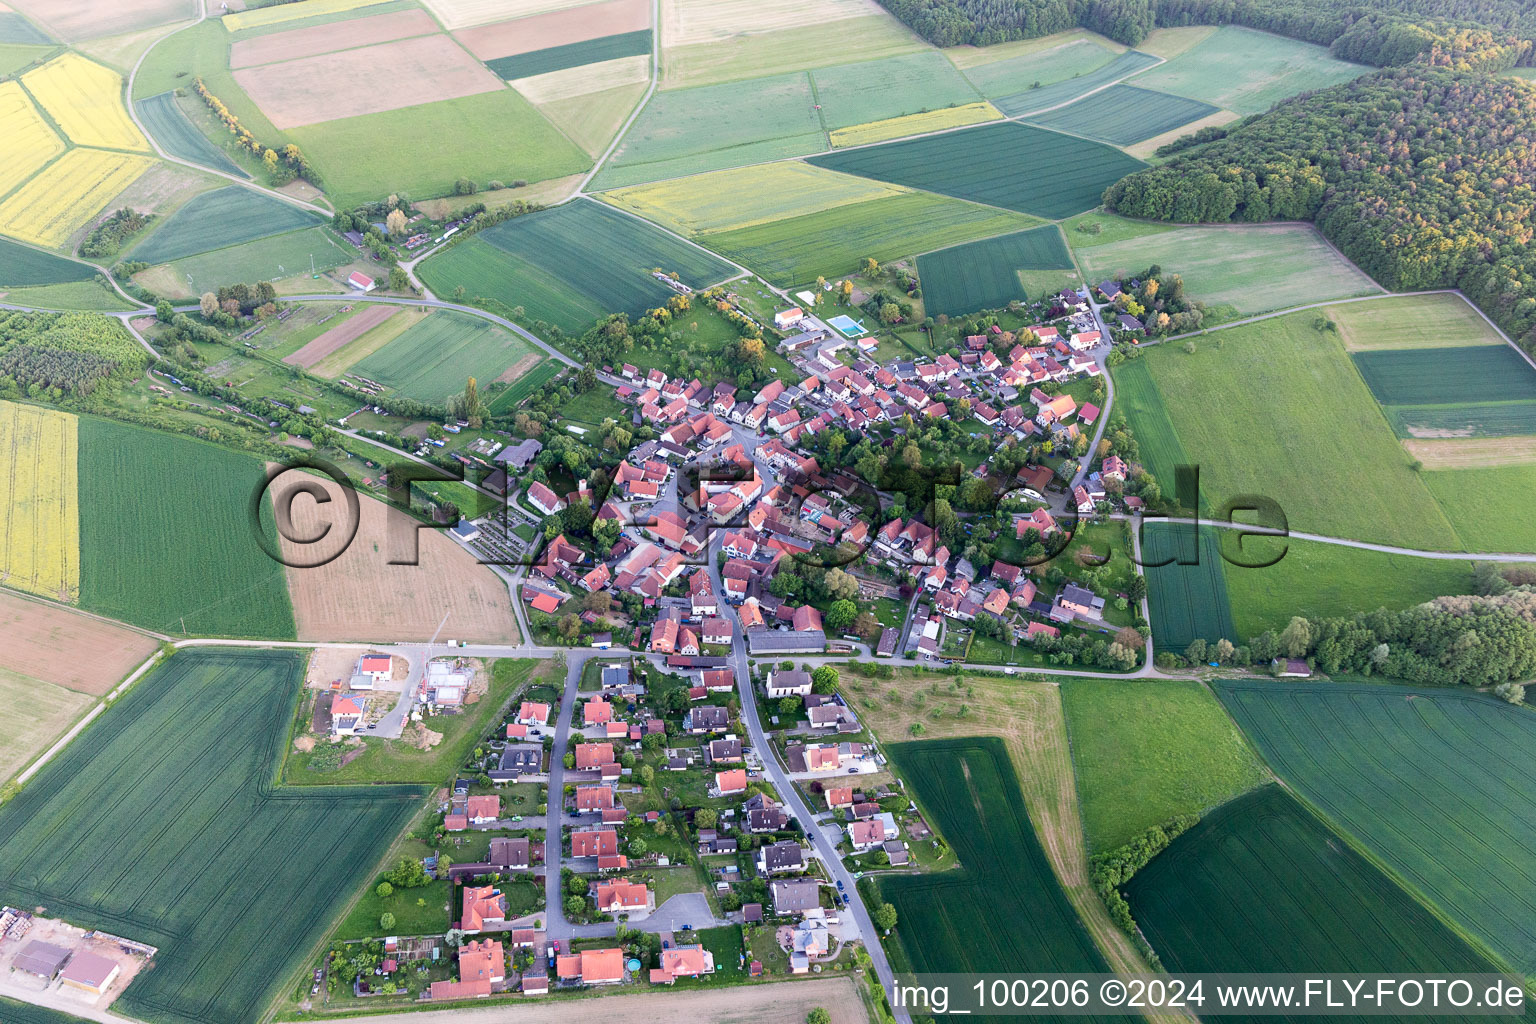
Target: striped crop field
85 99
218 219
196 851
985 275
1124 114
1261 885
572 55
914 124
435 356
1446 376
39 502
179 137
69 192
1188 594
1432 781
29 142
1054 94
25 267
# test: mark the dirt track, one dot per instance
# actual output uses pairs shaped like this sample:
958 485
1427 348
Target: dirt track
68 648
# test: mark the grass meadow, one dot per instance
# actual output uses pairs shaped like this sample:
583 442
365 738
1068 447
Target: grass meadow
1187 596
196 851
1433 782
802 43
1441 320
219 219
1248 71
1013 75
1048 96
985 274
1261 885
1123 114
165 539
1138 399
1144 752
435 356
851 94
1015 166
592 119
1489 507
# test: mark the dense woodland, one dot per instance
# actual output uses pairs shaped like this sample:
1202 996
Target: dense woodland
1422 176
1482 33
51 356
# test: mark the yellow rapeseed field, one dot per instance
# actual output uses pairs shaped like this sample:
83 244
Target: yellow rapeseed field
29 142
915 124
85 99
72 190
39 510
291 12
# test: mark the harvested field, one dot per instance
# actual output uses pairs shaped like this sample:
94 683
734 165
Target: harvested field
74 20
706 21
168 125
317 39
855 94
573 55
914 124
67 648
1124 114
66 194
36 714
1412 321
39 502
369 80
591 121
985 275
557 28
29 142
217 220
1472 453
85 99
277 13
340 335
359 596
1431 376
574 83
457 14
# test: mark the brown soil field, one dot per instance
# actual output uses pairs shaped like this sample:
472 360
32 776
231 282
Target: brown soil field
703 21
68 648
557 28
308 42
74 20
1472 452
350 330
370 79
785 1002
520 367
360 596
368 344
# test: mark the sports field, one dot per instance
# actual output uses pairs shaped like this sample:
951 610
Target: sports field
796 250
1144 752
1451 376
39 501
169 549
30 142
914 124
711 127
1014 166
1262 885
1324 580
1003 905
1250 268
85 100
573 55
1013 75
219 219
1490 507
851 94
1124 114
1431 781
435 356
1442 320
1249 71
179 137
985 275
1326 454
263 259
1029 100
68 193
24 267
1188 595
196 852
358 156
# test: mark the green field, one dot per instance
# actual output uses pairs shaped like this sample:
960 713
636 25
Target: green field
1489 507
264 259
435 356
196 851
16 57
526 385
1261 885
219 219
1325 453
1014 75
1433 782
755 54
706 128
1144 752
1187 601
571 264
22 266
1003 906
1446 376
1014 166
165 540
1474 419
1441 320
572 55
16 29
796 250
169 126
424 149
13 1012
985 274
1139 400
1321 581
1124 114
82 295
852 94
1249 71
1051 95
1251 268
202 51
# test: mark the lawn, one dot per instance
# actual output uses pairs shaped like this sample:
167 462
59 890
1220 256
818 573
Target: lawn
710 127
1187 601
1324 580
1249 71
796 250
851 94
1015 166
1490 508
436 355
217 220
1446 376
265 259
1325 453
196 851
166 123
428 918
22 266
1050 95
1144 752
1124 114
1262 885
985 275
1251 268
424 149
1429 780
594 407
400 761
1441 320
171 549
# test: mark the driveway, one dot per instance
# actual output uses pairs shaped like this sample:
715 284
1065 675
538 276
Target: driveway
684 908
